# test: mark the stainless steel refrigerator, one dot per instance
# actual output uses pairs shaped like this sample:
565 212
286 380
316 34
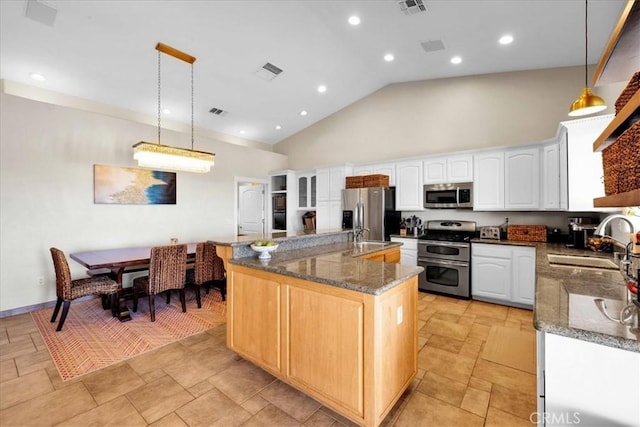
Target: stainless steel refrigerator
371 208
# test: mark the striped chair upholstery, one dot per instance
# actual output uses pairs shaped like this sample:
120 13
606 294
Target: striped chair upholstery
67 289
167 271
208 271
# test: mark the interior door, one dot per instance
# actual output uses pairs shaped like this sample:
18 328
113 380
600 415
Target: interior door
251 210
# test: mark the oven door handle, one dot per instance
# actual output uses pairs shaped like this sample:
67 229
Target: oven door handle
443 243
443 262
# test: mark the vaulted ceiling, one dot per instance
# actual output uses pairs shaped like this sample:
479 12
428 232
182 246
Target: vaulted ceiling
104 51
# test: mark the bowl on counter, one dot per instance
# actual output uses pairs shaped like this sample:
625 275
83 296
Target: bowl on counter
264 249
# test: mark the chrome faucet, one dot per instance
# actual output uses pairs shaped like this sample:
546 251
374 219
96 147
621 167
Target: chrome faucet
358 233
600 230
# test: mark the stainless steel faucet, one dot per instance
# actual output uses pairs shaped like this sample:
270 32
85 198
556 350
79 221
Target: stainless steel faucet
358 233
600 230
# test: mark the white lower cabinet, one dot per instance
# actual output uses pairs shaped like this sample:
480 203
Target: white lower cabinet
408 251
586 384
503 274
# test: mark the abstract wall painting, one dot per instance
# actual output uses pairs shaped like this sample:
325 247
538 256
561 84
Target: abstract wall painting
133 186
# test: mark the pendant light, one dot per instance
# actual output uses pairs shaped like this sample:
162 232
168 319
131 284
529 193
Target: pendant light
156 155
587 102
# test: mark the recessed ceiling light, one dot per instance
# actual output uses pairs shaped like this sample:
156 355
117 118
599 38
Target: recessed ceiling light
506 39
303 113
354 20
322 88
37 77
389 57
456 60
278 127
166 111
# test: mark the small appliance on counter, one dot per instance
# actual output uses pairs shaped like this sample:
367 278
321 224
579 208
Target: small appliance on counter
492 233
581 229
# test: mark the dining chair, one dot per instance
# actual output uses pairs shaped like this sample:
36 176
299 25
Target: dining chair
67 289
167 271
208 271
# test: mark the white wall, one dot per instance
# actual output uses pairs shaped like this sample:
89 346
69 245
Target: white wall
443 116
47 153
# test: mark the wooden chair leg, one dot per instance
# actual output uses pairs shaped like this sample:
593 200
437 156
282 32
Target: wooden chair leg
135 299
198 296
56 310
183 301
115 304
168 296
63 317
105 301
152 307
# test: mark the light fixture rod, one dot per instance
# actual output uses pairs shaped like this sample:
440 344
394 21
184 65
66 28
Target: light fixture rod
172 51
586 40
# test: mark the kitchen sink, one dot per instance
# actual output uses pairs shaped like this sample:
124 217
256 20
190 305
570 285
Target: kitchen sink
582 261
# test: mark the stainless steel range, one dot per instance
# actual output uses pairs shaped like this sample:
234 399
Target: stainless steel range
445 254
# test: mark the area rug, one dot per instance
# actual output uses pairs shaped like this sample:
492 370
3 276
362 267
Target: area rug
511 347
92 339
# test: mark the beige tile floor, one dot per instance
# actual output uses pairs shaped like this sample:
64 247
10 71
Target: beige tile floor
197 381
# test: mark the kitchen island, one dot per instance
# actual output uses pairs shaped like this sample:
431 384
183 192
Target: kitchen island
325 319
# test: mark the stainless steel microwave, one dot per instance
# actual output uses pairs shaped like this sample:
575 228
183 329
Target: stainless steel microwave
450 196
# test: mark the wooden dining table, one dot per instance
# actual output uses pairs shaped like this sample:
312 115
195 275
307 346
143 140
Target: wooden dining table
117 262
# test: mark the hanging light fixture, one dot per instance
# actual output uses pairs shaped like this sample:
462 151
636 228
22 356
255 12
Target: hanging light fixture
587 102
156 155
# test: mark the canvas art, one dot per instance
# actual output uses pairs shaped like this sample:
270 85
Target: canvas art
133 186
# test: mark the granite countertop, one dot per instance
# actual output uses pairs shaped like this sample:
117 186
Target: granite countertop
276 236
565 295
337 265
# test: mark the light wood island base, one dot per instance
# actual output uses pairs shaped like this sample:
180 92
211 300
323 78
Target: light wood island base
354 352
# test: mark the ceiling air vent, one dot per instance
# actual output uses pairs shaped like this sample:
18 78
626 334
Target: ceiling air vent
268 72
40 12
218 112
432 45
411 7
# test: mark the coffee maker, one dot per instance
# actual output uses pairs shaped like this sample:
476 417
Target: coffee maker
580 230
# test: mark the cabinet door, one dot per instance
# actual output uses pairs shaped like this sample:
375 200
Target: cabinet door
329 215
303 192
551 176
522 179
262 321
524 275
435 170
584 165
322 184
312 190
363 170
324 354
491 272
336 183
409 186
488 181
409 257
460 168
388 169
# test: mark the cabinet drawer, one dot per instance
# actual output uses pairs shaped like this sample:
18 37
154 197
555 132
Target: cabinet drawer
490 250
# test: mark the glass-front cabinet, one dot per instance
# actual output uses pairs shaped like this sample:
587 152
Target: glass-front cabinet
306 190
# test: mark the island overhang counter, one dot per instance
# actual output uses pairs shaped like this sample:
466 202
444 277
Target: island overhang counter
340 328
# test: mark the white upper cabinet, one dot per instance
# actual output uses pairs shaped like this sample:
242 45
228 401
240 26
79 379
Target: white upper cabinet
488 181
409 186
522 179
388 169
551 182
585 172
306 190
446 169
330 182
